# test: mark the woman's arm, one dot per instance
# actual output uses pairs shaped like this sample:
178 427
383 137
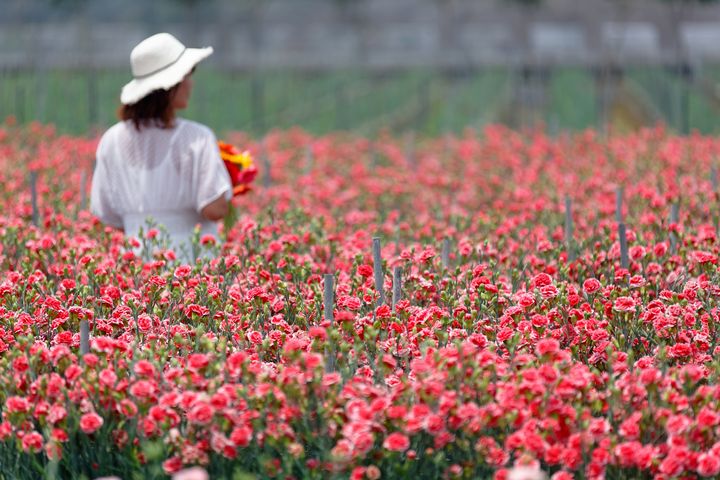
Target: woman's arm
213 190
216 210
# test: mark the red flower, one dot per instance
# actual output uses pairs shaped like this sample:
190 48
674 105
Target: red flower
526 300
172 465
707 418
144 323
56 414
703 257
680 350
254 337
396 442
201 412
59 435
32 442
241 436
541 280
383 311
143 368
624 304
90 422
17 405
591 285
708 464
365 270
547 346
143 389
198 361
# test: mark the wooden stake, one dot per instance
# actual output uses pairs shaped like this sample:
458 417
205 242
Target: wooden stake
328 305
410 150
674 219
397 286
378 270
624 258
329 297
569 228
309 159
83 190
445 254
34 198
266 165
84 337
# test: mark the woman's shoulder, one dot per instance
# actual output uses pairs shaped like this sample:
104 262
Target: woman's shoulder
194 130
114 130
111 135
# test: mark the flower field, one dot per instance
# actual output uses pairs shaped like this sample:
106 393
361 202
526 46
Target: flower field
513 336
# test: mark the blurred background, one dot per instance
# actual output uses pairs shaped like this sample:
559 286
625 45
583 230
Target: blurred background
424 66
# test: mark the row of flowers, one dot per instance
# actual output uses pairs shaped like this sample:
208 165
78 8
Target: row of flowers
504 351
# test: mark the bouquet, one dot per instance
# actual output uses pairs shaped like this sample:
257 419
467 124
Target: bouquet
240 166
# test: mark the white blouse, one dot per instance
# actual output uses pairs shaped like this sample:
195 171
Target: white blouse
167 175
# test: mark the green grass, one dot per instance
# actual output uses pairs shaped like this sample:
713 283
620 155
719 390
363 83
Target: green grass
321 102
468 101
669 93
571 100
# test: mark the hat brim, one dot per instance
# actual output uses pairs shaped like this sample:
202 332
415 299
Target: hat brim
165 79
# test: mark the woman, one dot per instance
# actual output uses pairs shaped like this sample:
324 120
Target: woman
154 166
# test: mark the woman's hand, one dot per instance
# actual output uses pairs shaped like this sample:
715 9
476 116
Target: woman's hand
216 210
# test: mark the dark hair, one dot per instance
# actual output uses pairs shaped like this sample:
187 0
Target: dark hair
154 109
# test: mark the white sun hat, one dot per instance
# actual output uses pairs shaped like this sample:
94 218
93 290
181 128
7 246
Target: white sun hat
159 62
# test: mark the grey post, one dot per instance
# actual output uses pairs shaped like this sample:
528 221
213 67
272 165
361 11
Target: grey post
84 337
569 228
445 254
20 103
674 219
328 304
410 150
622 233
329 297
309 160
618 204
378 270
34 198
714 183
266 165
83 190
397 286
374 156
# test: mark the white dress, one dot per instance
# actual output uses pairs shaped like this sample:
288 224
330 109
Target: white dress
166 175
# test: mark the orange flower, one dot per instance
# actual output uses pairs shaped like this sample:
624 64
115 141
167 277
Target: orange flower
240 166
